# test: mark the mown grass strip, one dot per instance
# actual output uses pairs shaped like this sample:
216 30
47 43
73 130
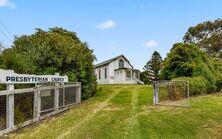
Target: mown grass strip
126 112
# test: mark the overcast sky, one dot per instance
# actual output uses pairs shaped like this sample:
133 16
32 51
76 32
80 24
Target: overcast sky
135 28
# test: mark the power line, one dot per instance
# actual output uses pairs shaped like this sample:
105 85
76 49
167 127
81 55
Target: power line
6 28
1 47
5 35
9 36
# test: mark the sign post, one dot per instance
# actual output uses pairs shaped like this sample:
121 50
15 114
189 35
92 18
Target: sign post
37 105
10 107
155 93
78 94
56 96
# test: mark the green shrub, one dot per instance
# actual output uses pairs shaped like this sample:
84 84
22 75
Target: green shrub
19 115
144 77
197 85
218 81
187 60
2 122
217 64
2 87
206 71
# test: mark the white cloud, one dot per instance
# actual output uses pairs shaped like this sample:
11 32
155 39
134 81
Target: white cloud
7 3
151 43
106 25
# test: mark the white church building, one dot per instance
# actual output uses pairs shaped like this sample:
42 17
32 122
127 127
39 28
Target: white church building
117 70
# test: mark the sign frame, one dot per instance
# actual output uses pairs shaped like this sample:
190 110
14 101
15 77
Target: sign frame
9 77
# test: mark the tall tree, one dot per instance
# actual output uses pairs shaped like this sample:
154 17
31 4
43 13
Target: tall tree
208 36
55 50
153 66
144 77
187 60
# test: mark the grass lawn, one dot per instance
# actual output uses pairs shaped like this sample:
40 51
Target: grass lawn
126 112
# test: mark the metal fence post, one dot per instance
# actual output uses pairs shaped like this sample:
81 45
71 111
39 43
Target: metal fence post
63 96
188 90
37 105
10 107
155 93
78 94
56 95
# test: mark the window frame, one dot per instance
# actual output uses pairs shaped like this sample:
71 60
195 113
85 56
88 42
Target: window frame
99 74
121 63
105 73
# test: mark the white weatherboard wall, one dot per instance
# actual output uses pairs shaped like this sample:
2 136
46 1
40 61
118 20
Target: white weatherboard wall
119 78
102 80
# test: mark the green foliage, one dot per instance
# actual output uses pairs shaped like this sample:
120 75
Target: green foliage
217 64
187 60
208 36
19 115
55 50
2 87
218 77
144 77
2 122
153 66
197 85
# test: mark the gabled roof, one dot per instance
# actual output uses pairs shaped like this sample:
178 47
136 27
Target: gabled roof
111 60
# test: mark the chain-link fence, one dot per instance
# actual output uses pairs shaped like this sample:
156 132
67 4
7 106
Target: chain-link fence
2 112
47 101
21 107
70 95
171 93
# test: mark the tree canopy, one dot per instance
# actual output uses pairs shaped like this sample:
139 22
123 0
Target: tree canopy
144 77
55 50
187 60
153 66
208 36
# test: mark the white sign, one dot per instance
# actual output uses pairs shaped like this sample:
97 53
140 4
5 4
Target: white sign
8 76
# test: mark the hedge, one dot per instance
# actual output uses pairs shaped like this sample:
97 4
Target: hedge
197 85
218 81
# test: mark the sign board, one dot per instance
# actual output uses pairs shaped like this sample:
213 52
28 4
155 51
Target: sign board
9 77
